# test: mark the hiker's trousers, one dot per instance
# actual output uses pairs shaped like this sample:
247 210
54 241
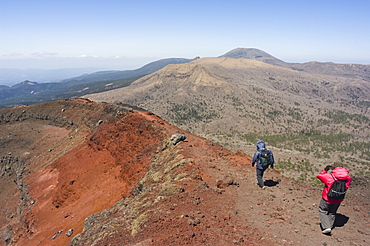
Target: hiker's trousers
327 213
259 173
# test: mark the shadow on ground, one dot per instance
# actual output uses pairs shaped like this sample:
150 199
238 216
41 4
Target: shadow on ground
270 183
340 220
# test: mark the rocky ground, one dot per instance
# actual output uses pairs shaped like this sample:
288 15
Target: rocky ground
98 174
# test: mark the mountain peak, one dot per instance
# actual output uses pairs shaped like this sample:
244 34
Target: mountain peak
249 53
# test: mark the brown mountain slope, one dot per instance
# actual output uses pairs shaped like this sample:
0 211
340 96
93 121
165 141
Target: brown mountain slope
226 99
111 174
214 95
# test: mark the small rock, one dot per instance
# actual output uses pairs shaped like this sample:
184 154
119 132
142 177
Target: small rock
69 233
56 233
193 221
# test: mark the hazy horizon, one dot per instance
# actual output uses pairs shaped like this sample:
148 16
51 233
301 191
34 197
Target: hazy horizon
74 67
126 35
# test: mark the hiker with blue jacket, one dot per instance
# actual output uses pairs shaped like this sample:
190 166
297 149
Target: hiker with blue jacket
264 158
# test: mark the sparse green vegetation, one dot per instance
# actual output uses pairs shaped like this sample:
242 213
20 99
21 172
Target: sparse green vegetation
295 113
311 141
303 166
192 112
339 116
273 114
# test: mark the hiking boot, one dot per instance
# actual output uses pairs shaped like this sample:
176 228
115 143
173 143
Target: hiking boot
327 231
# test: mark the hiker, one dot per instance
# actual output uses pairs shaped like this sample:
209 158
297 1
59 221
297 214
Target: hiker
264 158
329 204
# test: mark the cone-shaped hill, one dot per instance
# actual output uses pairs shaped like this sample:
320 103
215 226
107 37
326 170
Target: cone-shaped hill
223 95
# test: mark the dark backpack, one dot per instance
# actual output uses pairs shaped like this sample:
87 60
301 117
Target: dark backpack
265 158
338 190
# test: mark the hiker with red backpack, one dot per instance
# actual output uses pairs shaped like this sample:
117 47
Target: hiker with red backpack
336 184
264 158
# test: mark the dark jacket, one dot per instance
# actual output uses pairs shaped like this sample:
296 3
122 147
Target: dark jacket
256 157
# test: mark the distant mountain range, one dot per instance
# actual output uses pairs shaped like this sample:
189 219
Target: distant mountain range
28 92
31 92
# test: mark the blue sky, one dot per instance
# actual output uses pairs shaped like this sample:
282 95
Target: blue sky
114 34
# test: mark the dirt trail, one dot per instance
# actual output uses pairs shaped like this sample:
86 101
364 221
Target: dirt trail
287 210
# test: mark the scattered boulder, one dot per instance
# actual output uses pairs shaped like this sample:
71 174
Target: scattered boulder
177 138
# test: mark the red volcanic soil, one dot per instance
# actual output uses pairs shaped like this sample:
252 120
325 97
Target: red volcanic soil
111 174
